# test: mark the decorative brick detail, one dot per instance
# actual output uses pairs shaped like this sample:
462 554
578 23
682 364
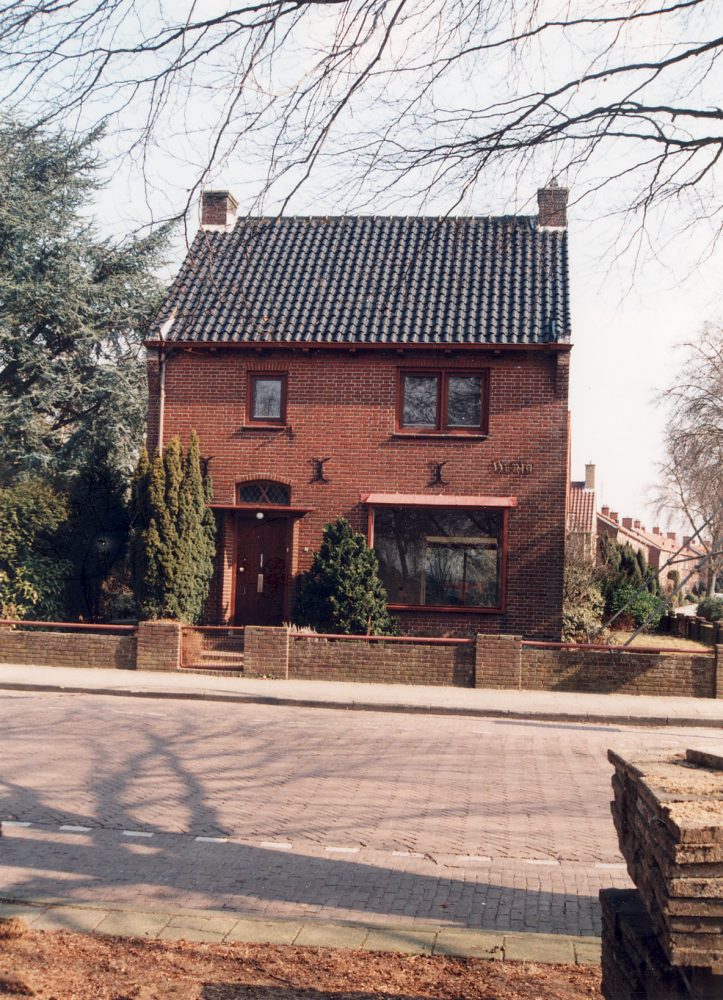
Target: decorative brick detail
67 649
159 645
266 652
498 661
380 663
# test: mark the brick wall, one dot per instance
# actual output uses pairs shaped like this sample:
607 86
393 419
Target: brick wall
67 649
159 645
390 663
602 672
341 405
498 661
266 652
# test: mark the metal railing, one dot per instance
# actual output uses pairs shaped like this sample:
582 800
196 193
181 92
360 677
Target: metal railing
212 647
68 626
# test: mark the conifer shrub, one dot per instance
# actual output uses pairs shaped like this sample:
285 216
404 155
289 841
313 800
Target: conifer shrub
711 609
341 592
174 534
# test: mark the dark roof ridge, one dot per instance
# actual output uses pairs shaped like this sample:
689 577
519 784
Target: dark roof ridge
385 218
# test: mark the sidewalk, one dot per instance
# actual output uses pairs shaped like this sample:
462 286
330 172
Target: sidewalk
543 706
215 925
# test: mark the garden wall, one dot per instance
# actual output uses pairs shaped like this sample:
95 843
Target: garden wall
490 661
383 663
602 672
68 649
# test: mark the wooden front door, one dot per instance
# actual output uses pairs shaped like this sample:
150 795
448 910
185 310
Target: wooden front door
261 570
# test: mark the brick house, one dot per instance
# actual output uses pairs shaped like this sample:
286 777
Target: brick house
581 516
409 374
659 548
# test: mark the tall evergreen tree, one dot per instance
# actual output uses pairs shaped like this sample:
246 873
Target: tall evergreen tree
174 537
72 309
341 592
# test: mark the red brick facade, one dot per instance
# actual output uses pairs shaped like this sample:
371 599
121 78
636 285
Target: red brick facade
341 406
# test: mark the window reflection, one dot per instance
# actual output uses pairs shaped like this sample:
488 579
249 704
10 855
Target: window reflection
420 401
267 398
440 557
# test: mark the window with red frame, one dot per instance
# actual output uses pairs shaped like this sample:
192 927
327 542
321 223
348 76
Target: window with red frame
266 398
443 402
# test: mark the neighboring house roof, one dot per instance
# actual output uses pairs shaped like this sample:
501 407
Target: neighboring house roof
690 553
372 280
581 508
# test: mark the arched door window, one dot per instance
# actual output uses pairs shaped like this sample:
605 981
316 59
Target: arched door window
264 492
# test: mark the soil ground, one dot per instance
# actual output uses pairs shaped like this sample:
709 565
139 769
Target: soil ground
63 966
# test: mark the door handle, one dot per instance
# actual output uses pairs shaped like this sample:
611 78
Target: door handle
260 583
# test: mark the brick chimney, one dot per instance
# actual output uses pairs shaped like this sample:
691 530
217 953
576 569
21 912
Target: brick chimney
636 525
589 477
552 206
605 511
686 539
656 531
614 516
627 522
671 536
218 210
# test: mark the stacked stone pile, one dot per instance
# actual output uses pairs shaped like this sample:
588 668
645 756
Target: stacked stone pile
633 963
668 813
664 940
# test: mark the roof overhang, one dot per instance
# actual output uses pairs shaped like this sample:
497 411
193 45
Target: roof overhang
422 500
349 345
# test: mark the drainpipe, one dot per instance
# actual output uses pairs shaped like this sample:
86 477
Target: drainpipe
162 378
161 397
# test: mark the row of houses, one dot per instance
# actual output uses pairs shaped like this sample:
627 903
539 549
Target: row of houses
667 552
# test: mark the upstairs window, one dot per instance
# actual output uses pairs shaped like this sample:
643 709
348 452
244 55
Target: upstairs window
442 402
266 398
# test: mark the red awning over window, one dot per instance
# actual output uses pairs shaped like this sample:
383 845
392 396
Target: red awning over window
424 500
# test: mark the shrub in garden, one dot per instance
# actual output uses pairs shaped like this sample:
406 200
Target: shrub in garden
173 544
711 609
642 606
341 592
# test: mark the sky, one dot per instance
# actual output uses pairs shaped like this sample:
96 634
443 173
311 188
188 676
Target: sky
633 299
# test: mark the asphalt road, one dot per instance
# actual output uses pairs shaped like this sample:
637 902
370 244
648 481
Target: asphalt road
316 813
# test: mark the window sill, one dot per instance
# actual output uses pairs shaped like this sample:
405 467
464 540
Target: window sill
458 608
444 435
266 427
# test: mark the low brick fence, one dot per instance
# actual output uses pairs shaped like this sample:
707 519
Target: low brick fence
602 672
68 649
382 662
488 661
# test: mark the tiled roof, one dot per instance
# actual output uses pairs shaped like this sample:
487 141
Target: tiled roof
372 280
581 510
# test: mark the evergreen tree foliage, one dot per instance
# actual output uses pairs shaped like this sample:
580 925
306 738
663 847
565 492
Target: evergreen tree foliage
72 309
174 536
341 592
33 516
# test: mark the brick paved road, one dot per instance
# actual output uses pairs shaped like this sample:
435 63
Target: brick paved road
338 815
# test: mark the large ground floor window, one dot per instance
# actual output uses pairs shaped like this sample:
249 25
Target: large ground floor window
440 557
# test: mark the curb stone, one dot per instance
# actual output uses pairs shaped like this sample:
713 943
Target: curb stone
360 706
231 926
